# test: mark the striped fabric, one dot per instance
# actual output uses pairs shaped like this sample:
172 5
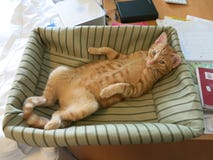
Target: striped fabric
170 112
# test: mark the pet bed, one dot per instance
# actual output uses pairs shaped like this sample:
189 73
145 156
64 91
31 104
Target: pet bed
170 112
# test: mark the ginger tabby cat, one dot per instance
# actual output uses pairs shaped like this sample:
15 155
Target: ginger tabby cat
82 91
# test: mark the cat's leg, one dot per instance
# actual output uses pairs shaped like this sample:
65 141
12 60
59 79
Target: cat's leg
28 115
48 98
80 107
124 89
109 52
116 88
112 54
73 112
36 101
28 106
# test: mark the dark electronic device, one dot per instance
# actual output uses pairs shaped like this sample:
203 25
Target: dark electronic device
136 10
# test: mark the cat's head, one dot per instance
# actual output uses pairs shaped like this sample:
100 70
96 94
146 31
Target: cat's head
161 56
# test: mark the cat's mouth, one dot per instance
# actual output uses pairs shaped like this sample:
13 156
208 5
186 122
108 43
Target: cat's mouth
150 63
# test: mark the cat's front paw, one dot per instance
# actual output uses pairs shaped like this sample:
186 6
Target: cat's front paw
105 93
93 50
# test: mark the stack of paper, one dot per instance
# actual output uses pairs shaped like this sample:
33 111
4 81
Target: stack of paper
196 37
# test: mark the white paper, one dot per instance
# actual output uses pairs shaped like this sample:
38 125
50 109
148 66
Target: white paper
208 121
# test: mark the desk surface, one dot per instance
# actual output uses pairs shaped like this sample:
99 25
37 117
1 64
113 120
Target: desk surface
198 8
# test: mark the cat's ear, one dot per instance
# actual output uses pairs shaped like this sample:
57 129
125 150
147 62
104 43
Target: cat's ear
161 39
176 60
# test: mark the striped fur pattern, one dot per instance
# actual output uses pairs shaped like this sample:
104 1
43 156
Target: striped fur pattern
82 91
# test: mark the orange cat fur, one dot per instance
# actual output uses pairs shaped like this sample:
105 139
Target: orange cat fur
83 90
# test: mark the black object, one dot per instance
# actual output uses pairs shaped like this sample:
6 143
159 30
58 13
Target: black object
136 10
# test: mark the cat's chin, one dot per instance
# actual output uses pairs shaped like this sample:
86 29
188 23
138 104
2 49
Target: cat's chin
149 64
151 67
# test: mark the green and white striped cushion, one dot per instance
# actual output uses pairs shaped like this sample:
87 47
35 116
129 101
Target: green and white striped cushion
170 112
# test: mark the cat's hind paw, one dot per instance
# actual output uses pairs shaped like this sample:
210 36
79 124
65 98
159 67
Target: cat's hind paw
30 103
53 124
